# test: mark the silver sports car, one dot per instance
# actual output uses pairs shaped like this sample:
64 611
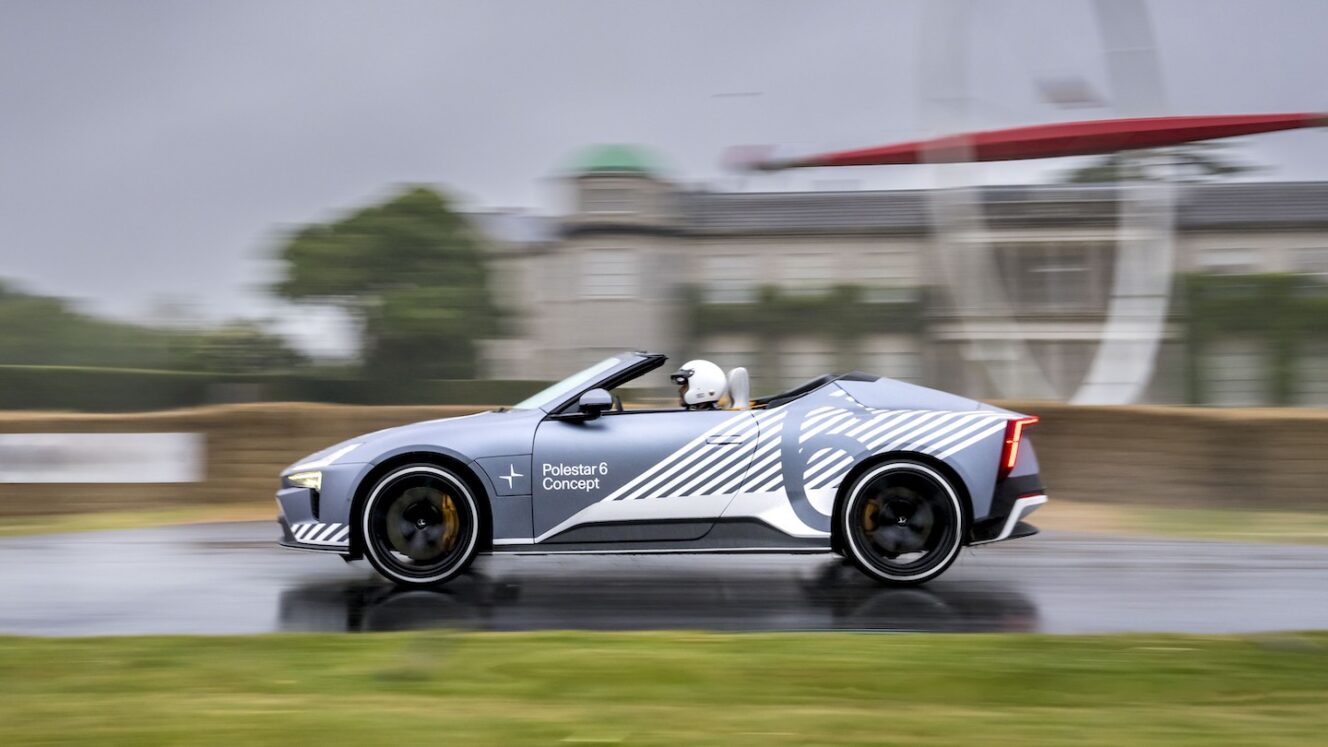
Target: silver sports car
895 477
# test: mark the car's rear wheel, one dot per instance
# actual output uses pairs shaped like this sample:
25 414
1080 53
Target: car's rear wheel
420 525
902 523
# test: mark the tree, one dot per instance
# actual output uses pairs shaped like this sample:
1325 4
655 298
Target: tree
1194 162
412 271
236 347
38 330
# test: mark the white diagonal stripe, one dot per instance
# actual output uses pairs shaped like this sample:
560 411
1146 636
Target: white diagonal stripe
733 457
894 425
899 439
920 442
668 482
818 414
738 462
842 426
836 471
766 448
681 452
969 442
811 475
760 459
882 436
758 473
883 419
819 457
941 444
772 480
681 459
809 432
684 466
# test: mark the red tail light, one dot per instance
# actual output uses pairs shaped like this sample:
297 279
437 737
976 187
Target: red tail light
1014 432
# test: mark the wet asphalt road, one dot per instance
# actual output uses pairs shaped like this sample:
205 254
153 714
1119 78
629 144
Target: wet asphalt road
231 578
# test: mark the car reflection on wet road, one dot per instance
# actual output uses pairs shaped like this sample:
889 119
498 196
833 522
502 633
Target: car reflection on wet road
231 578
827 595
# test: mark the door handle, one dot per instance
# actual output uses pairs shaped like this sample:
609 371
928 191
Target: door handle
727 439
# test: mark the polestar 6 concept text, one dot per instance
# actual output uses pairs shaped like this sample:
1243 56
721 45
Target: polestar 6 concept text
897 478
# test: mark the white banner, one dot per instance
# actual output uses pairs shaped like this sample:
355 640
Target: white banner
101 457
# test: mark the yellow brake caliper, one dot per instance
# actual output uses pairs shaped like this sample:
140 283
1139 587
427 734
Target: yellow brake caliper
451 523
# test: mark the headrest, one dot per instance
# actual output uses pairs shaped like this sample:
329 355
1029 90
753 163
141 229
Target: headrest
740 389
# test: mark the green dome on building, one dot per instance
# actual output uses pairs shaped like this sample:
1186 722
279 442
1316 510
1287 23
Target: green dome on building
615 159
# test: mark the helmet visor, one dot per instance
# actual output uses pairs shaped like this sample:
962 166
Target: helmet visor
681 376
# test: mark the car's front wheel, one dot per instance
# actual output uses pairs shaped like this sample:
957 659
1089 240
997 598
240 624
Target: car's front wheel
420 525
902 523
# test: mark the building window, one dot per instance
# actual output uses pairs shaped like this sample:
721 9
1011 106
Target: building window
1229 261
806 273
603 198
609 273
1055 277
728 278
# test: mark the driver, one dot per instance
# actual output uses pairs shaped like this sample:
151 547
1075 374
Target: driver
700 384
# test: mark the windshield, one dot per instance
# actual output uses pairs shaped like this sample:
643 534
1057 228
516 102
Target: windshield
555 393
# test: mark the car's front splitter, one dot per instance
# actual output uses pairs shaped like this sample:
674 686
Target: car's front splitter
314 535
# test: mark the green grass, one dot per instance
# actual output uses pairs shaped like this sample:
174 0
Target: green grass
665 689
1249 524
1238 525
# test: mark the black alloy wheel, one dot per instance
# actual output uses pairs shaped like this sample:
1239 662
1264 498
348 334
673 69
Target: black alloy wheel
420 525
902 523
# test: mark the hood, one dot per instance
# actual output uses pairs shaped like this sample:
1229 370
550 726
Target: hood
445 434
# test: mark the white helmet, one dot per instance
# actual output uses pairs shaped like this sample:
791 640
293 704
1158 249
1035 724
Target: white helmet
700 381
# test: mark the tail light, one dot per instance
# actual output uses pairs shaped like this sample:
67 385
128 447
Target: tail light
1014 433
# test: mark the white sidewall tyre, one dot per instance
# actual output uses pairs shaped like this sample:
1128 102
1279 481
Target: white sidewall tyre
847 530
367 511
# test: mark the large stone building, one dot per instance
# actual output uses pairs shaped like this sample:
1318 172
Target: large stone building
793 284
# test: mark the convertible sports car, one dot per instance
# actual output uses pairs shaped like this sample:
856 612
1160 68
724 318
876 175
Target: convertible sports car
895 477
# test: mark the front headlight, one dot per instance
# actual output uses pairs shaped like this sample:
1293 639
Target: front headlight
312 480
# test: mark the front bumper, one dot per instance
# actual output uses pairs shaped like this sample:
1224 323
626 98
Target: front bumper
319 519
313 535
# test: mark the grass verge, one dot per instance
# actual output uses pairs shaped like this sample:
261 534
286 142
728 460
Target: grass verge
1230 524
665 689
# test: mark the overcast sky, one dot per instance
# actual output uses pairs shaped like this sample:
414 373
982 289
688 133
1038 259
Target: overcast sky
155 151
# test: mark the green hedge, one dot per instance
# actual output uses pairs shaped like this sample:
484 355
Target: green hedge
1284 310
128 390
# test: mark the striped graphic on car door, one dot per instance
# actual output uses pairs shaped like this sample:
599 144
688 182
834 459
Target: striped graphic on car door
941 433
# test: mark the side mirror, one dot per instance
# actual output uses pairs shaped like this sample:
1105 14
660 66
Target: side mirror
595 403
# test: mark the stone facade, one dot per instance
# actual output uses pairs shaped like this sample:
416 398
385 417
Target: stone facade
752 279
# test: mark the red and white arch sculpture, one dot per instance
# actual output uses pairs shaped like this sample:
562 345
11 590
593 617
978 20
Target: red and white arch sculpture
1090 138
1127 346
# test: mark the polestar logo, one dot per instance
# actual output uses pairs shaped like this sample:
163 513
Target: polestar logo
511 475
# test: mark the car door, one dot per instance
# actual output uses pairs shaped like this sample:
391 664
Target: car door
638 475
